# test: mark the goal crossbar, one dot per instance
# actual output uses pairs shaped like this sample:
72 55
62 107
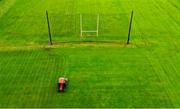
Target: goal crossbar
89 31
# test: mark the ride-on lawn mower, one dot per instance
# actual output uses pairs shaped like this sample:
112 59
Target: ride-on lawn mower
62 84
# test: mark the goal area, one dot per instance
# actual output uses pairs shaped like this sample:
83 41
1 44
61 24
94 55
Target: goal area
90 27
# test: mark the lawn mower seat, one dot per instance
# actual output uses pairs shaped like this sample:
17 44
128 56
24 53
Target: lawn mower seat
62 83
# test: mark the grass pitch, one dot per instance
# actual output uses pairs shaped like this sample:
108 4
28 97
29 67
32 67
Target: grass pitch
103 72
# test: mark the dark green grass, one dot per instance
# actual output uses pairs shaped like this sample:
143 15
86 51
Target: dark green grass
144 74
98 77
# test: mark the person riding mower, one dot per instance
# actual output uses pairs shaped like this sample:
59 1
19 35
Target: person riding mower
62 84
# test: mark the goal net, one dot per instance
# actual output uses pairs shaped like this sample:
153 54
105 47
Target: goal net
95 27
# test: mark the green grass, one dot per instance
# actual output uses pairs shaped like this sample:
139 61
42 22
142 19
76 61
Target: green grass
99 78
103 72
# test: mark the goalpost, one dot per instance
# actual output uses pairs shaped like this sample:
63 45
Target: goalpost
82 31
95 32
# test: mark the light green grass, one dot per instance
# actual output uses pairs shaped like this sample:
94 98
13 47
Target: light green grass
103 72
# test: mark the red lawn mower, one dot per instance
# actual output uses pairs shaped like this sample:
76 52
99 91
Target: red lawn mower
62 84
